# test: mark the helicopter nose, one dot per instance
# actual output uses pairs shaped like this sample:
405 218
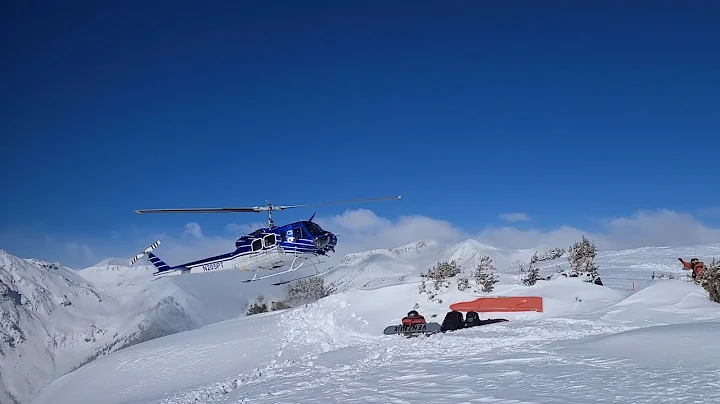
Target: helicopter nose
321 241
326 241
332 240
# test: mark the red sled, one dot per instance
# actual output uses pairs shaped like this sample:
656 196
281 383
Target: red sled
503 304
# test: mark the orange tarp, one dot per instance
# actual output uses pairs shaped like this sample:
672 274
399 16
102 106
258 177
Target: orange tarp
500 304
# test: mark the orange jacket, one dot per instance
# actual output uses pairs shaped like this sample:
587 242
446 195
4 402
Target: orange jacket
696 269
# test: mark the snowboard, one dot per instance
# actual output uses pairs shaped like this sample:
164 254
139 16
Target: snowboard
409 330
486 322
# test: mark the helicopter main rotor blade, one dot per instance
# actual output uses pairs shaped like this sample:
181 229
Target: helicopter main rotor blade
205 210
283 207
267 208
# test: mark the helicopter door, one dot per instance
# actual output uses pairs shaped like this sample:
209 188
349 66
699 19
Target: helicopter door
297 233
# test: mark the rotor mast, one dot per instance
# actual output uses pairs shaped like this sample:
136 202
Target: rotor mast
271 224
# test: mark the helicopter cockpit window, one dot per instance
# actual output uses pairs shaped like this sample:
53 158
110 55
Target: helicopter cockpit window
297 233
256 244
313 228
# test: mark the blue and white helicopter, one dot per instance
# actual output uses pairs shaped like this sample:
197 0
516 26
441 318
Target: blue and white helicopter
265 249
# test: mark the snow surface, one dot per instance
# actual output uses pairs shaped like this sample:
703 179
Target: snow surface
657 343
54 319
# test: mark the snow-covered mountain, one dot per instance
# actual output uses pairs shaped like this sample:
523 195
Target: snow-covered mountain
55 319
591 343
52 319
377 268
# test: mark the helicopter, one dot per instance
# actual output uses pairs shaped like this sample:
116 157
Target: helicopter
266 249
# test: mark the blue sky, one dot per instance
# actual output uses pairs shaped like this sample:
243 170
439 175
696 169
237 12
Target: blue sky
571 114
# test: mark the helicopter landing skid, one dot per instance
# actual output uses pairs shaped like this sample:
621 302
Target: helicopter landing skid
292 268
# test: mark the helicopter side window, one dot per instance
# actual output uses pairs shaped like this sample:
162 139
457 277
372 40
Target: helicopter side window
270 240
297 233
256 244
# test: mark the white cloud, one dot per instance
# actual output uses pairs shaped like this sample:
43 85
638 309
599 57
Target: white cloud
513 238
515 217
660 228
360 220
193 229
362 229
646 228
80 249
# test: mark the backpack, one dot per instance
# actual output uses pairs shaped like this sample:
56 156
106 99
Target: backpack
453 321
472 319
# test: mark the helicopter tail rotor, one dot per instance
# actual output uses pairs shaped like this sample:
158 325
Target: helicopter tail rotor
148 250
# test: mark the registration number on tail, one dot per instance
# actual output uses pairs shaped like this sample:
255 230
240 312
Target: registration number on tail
212 266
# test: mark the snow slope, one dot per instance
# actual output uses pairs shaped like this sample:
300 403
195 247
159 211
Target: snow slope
592 343
54 319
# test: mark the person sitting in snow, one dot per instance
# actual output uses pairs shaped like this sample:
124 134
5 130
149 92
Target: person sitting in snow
413 318
695 265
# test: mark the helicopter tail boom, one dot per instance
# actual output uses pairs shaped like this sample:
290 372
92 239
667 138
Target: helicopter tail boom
161 266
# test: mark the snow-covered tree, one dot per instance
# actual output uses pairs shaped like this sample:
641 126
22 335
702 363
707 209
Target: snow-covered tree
709 279
280 305
439 275
552 254
484 274
529 272
463 284
581 256
301 291
258 307
307 290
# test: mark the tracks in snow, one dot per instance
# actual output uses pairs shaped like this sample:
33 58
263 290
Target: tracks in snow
354 367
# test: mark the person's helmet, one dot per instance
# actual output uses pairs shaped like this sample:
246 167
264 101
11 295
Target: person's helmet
413 313
694 261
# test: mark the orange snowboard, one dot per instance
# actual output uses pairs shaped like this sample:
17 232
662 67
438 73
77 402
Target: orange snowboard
501 304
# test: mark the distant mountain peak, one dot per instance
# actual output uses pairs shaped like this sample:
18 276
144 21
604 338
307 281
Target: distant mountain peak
121 262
